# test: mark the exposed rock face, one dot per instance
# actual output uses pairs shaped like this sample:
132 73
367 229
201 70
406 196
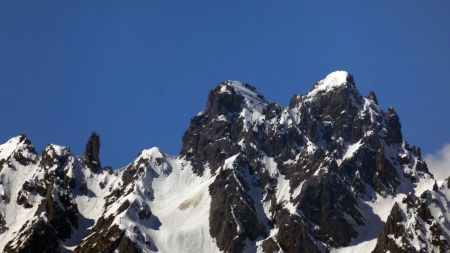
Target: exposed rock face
326 201
120 243
411 226
3 227
293 235
92 153
39 238
339 146
252 176
233 216
394 133
395 228
372 96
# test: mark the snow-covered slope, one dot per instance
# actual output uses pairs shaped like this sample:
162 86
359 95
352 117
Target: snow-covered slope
329 173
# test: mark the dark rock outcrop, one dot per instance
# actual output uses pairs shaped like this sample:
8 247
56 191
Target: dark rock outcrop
92 153
40 237
233 217
294 235
394 133
411 225
113 239
395 228
326 202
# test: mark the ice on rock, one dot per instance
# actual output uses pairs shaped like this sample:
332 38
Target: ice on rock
330 82
253 99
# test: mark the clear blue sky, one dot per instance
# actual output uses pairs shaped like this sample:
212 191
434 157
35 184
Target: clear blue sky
137 71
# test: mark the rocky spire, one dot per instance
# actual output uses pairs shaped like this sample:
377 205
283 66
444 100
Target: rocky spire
223 100
394 134
91 155
372 96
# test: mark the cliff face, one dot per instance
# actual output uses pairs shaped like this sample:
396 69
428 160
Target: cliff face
330 172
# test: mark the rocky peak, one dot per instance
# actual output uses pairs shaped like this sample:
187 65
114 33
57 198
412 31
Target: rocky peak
231 97
15 144
24 140
232 113
333 81
54 155
334 96
20 148
394 133
91 155
372 96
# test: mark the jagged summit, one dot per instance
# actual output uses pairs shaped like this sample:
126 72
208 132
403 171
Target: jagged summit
232 96
10 146
92 153
18 150
243 89
329 173
332 81
14 143
250 94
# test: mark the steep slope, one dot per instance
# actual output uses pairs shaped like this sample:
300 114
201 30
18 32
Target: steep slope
329 173
418 224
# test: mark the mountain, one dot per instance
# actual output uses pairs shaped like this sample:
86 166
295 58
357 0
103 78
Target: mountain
328 173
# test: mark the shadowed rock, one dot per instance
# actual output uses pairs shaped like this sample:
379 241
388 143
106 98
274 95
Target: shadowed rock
92 153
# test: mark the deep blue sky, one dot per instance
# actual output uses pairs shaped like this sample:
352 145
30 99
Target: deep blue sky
137 71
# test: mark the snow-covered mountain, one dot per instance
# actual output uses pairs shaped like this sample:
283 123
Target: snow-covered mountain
329 173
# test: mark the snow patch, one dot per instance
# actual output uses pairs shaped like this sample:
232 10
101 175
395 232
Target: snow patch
330 82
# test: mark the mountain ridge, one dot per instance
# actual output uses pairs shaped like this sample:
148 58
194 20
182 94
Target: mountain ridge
330 172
